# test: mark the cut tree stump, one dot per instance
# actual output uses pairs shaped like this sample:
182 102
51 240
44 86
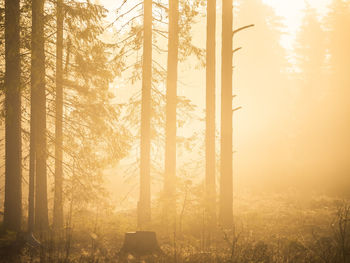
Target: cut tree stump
140 243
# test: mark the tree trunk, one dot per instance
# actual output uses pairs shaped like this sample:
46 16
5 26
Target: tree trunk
58 205
171 101
226 182
13 149
38 86
144 205
32 161
210 116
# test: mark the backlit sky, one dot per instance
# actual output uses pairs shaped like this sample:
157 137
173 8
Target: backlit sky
290 10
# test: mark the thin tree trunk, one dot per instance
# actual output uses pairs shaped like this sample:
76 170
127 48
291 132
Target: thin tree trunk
58 203
210 116
144 205
171 101
38 86
226 182
13 149
32 161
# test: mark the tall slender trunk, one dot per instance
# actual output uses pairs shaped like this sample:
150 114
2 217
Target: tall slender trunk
226 182
144 205
171 101
58 203
38 86
210 115
13 149
32 161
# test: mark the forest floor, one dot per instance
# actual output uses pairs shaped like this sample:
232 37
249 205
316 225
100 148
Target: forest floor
268 228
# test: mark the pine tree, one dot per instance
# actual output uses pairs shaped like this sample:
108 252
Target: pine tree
226 182
144 205
93 134
38 102
58 202
311 115
171 103
210 114
13 149
132 42
338 64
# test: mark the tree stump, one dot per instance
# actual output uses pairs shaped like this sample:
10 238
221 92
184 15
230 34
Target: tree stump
140 243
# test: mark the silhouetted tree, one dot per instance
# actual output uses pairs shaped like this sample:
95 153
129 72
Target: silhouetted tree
38 101
144 205
210 153
13 149
226 182
171 101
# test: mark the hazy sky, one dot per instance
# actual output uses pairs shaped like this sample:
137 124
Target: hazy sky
290 10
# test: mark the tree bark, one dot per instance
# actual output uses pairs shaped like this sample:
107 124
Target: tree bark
226 182
58 202
144 205
171 101
210 115
13 146
38 86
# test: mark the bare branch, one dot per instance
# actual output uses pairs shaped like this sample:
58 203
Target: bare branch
236 49
241 28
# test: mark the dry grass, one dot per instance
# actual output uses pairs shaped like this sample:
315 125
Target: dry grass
273 228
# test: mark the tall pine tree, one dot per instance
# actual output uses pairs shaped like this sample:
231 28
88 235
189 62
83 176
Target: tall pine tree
13 149
144 205
38 104
171 102
226 181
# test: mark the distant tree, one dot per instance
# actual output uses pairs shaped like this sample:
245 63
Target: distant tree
38 103
337 26
226 182
210 153
144 205
310 113
338 40
311 53
13 149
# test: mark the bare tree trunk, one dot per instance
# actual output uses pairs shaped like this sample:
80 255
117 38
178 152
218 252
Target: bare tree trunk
38 86
144 205
13 146
226 182
32 169
171 101
210 117
58 203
